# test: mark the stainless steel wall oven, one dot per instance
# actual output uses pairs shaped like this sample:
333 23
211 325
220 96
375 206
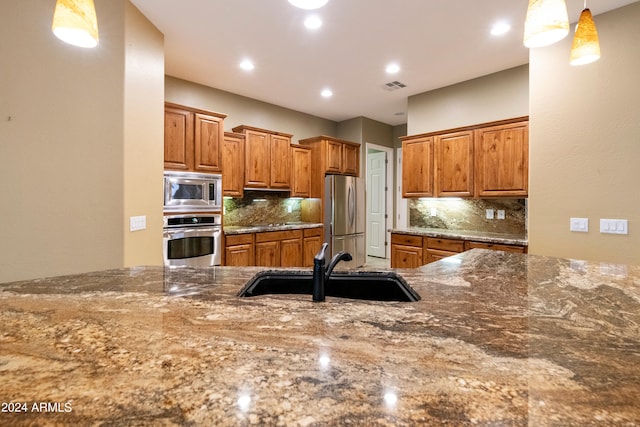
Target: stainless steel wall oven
192 240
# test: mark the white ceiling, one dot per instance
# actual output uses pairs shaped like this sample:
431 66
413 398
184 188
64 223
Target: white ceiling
435 42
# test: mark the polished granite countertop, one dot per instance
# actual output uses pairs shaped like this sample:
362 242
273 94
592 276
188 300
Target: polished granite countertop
243 229
477 236
497 339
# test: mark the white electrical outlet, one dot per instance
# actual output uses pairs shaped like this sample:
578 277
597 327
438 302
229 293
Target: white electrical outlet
434 212
137 223
489 213
500 214
580 225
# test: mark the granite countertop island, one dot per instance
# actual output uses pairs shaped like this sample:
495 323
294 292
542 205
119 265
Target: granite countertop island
497 339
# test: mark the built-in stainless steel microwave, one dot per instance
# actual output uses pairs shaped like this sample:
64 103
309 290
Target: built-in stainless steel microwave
190 191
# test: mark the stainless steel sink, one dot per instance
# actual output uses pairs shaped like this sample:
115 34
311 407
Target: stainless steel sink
362 285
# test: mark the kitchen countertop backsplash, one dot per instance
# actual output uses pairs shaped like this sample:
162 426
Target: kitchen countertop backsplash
456 214
259 208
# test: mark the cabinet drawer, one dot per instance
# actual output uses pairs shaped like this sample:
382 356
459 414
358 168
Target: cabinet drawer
278 235
434 255
495 247
406 240
450 245
311 232
239 239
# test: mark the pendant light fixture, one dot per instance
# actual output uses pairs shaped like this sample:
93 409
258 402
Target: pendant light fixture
308 4
586 46
547 22
75 22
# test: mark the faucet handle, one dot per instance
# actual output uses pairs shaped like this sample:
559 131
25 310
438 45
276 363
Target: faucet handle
321 255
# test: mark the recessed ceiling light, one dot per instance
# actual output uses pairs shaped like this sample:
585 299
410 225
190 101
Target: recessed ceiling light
313 22
500 28
247 65
393 68
308 4
326 93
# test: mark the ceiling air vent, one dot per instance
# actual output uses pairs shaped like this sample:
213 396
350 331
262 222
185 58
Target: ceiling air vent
395 85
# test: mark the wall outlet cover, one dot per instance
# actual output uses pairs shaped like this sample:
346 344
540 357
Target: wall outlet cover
580 225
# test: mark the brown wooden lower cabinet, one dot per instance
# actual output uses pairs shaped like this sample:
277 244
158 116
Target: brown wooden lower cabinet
288 248
406 251
239 250
279 248
311 244
411 251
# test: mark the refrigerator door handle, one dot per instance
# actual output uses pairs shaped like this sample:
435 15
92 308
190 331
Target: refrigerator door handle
351 206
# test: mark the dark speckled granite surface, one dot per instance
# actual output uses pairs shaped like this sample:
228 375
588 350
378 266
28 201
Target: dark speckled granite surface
497 339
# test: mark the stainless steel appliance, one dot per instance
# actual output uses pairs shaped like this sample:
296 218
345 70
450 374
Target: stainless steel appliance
190 191
344 217
192 240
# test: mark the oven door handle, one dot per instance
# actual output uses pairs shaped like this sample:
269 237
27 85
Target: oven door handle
193 231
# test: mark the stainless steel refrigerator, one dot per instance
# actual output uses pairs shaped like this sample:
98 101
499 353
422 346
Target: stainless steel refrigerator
344 217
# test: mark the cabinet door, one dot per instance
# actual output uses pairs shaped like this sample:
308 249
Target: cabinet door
351 159
209 135
239 255
311 246
502 160
417 167
178 139
280 176
257 158
405 256
333 157
453 164
291 252
233 165
268 254
301 172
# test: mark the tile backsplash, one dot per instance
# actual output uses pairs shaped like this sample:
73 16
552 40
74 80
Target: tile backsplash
261 208
469 214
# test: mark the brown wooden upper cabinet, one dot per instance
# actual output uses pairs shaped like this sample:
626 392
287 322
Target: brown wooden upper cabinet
192 139
233 165
417 167
489 160
267 158
453 164
301 171
334 156
502 160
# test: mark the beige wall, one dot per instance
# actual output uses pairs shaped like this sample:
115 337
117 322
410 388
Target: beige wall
497 96
585 144
143 137
241 110
61 145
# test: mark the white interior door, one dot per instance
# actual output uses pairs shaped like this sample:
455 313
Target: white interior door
376 204
401 203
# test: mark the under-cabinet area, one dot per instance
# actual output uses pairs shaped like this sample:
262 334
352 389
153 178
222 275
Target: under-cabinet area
414 250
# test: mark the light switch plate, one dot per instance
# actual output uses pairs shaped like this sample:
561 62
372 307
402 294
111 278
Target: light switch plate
580 225
614 226
137 223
